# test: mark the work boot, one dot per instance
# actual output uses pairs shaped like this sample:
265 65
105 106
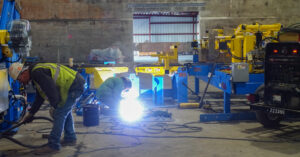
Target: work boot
68 143
44 150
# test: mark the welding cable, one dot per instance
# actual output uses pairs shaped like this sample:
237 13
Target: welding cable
131 145
4 134
193 92
195 137
137 137
207 84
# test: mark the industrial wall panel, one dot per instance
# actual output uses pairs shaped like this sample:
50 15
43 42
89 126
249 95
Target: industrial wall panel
171 19
172 28
172 38
141 39
140 26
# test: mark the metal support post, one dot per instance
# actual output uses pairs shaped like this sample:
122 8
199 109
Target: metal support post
197 85
226 102
174 87
195 58
157 89
181 79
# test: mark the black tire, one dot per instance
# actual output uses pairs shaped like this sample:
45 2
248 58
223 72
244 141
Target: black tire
268 120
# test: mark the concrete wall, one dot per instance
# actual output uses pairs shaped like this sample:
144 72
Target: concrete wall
229 14
71 28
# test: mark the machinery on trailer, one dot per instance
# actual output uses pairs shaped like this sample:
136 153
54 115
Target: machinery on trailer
280 95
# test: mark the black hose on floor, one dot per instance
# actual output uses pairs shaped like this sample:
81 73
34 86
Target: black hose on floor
6 136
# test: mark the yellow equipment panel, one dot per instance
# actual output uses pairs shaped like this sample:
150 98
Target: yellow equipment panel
100 74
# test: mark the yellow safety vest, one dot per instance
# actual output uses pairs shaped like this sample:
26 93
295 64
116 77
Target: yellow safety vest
62 76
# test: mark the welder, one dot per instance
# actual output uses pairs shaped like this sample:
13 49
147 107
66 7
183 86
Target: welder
61 86
109 92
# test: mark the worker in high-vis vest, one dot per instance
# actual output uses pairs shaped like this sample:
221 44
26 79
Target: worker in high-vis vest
61 86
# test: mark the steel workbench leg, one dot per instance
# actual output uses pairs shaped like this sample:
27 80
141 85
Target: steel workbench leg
174 87
181 79
158 90
226 102
197 85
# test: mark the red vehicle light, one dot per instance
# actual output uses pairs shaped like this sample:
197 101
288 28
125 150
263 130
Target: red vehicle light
275 51
253 98
295 51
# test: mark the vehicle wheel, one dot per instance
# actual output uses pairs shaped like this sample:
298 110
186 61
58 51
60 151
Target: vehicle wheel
268 120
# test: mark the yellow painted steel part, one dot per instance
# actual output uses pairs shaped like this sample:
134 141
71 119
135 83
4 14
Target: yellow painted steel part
100 74
4 37
189 105
3 78
156 70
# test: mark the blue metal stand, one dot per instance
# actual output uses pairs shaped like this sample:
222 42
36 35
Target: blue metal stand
178 91
222 80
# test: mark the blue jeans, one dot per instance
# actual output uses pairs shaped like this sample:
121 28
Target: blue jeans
63 120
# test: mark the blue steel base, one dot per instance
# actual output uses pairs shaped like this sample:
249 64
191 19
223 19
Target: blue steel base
178 91
223 81
227 116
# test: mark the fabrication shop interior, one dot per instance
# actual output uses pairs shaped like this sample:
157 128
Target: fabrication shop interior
208 78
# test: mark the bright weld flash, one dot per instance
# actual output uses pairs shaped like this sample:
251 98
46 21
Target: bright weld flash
130 109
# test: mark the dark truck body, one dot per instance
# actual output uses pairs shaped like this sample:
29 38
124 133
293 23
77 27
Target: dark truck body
280 94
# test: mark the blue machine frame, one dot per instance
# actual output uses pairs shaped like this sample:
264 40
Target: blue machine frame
223 81
178 91
8 14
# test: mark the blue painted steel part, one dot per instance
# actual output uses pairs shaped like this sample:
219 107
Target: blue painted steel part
227 116
222 80
181 80
177 92
8 14
195 58
197 85
157 88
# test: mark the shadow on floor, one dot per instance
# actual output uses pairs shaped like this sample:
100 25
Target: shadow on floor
284 138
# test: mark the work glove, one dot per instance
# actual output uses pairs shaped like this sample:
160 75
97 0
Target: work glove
27 118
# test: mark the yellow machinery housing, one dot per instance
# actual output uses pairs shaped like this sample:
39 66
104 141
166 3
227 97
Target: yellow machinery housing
244 40
164 59
100 74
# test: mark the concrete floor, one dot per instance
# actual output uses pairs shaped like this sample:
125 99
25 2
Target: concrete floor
216 139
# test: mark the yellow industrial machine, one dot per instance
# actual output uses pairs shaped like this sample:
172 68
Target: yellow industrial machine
245 40
162 67
167 64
